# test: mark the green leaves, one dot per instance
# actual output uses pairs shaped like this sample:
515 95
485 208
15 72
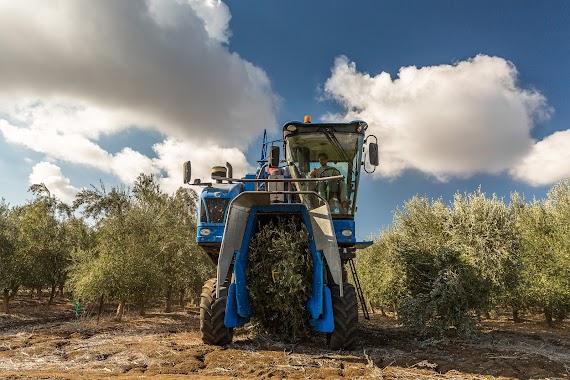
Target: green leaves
279 277
544 226
144 244
439 266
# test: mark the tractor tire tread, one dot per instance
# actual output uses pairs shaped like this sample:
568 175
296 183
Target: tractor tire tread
212 314
345 312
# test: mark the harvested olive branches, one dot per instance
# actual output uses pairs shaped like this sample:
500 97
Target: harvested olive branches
279 277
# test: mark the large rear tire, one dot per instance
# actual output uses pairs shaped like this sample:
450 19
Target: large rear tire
345 312
212 314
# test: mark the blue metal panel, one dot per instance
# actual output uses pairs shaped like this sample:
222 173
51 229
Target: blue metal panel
250 186
242 296
225 191
315 303
326 322
215 236
232 318
319 305
341 229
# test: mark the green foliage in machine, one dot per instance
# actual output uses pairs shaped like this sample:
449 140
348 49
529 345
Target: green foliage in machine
279 277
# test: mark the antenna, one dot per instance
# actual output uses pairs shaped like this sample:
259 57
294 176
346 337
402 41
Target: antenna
264 147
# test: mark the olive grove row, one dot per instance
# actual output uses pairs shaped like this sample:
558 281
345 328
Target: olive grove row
440 266
127 245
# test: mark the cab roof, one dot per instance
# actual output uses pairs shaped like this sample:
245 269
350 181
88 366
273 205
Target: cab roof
295 127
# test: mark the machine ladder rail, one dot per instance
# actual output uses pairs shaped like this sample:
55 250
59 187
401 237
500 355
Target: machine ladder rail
359 292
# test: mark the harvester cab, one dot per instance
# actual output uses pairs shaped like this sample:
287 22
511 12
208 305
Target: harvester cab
317 183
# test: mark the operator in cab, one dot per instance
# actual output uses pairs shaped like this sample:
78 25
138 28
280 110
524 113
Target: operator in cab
334 191
320 172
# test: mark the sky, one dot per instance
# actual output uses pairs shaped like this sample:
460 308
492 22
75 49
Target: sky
461 94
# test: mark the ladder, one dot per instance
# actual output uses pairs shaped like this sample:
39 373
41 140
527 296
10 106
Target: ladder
359 292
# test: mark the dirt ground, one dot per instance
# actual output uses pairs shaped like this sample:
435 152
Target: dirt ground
40 344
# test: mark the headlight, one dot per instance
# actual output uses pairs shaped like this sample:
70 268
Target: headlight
347 232
205 232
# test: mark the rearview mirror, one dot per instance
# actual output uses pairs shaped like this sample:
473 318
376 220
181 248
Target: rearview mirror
303 156
274 157
373 154
187 171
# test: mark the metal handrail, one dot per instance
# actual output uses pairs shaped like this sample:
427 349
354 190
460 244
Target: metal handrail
278 179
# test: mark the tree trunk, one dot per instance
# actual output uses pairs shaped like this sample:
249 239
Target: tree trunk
100 309
60 290
6 301
39 293
516 316
169 299
51 295
120 311
548 316
141 306
181 298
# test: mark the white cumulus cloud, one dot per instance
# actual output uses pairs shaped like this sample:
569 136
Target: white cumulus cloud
50 131
547 162
447 120
50 175
69 133
72 71
157 62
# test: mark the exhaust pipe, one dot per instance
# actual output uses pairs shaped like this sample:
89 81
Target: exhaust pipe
230 171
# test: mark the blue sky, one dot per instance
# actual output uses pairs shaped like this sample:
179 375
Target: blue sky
461 94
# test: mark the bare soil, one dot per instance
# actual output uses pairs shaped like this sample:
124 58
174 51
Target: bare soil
40 344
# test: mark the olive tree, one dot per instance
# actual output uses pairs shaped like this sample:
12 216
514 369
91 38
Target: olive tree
381 272
11 268
546 259
441 265
44 254
144 244
441 285
483 230
123 265
185 267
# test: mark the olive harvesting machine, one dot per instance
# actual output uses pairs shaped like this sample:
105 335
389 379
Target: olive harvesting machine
291 181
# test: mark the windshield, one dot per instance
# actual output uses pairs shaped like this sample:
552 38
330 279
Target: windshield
327 154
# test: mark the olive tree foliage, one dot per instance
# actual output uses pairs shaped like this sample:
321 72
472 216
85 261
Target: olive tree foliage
441 287
381 272
184 265
440 266
121 265
144 244
41 241
544 226
11 268
484 230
